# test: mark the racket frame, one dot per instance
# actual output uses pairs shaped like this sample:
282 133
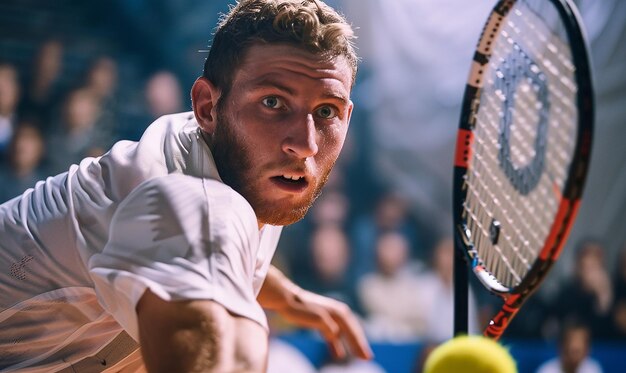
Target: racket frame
572 191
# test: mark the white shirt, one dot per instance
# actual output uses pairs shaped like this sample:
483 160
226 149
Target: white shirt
81 248
397 321
588 365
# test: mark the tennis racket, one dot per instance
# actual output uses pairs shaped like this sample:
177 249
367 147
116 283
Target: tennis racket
523 150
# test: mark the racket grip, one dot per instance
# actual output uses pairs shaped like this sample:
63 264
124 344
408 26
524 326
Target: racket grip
461 293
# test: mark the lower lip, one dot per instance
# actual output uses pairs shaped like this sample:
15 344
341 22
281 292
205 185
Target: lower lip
288 186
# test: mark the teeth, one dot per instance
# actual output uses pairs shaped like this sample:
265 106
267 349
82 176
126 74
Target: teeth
293 178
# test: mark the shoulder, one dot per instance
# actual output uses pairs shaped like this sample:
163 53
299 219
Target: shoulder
178 118
370 284
428 278
170 123
590 365
191 199
550 366
167 126
184 190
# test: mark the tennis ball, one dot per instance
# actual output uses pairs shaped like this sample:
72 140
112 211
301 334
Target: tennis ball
470 354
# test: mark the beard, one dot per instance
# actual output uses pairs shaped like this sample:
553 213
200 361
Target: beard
233 159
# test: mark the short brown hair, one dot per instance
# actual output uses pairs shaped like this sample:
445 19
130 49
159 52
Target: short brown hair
309 24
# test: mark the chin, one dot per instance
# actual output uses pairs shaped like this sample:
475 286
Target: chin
280 210
278 214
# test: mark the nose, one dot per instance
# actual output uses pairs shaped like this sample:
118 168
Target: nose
301 139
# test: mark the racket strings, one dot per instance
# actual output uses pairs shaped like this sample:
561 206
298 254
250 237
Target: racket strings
500 193
481 216
525 220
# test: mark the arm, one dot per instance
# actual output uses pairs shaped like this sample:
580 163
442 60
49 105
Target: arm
332 318
160 241
198 336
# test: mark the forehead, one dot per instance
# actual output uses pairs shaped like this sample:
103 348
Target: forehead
289 64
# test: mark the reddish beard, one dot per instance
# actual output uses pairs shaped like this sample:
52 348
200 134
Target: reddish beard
234 164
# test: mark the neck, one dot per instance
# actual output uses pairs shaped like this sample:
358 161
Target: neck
206 138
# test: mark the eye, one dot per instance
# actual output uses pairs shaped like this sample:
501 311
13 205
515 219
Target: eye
273 102
326 112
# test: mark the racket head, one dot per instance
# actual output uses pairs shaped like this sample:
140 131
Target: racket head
523 145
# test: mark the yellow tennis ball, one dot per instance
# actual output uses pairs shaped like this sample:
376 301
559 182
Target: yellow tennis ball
470 354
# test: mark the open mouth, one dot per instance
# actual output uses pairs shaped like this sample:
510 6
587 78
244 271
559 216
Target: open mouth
290 183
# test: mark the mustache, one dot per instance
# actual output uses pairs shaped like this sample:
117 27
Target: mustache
290 165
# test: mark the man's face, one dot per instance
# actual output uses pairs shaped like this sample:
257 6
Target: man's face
575 348
280 129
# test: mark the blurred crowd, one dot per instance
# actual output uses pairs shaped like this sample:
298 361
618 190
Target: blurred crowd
49 121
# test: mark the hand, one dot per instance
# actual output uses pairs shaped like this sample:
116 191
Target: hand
333 319
597 281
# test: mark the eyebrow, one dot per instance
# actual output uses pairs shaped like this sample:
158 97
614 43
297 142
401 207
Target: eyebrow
337 96
268 81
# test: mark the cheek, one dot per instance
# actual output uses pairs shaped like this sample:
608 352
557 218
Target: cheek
258 135
332 143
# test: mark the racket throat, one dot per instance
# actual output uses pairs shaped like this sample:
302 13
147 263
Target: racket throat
489 281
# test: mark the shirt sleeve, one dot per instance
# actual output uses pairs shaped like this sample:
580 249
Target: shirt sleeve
184 238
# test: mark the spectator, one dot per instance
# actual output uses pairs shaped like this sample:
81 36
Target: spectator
101 82
330 255
391 296
23 170
574 346
9 99
588 294
78 135
437 298
391 214
331 208
44 89
102 78
619 308
163 94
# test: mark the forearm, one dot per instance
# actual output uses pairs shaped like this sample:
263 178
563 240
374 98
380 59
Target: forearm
331 318
198 336
277 291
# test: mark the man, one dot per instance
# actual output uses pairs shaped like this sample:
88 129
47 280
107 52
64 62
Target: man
9 98
170 239
574 348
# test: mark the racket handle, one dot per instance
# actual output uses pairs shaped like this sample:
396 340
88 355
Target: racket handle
461 289
499 323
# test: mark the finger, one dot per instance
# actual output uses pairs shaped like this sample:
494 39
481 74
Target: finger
351 330
313 317
337 349
327 327
316 317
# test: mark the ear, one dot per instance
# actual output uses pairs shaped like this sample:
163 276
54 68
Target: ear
204 96
350 108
